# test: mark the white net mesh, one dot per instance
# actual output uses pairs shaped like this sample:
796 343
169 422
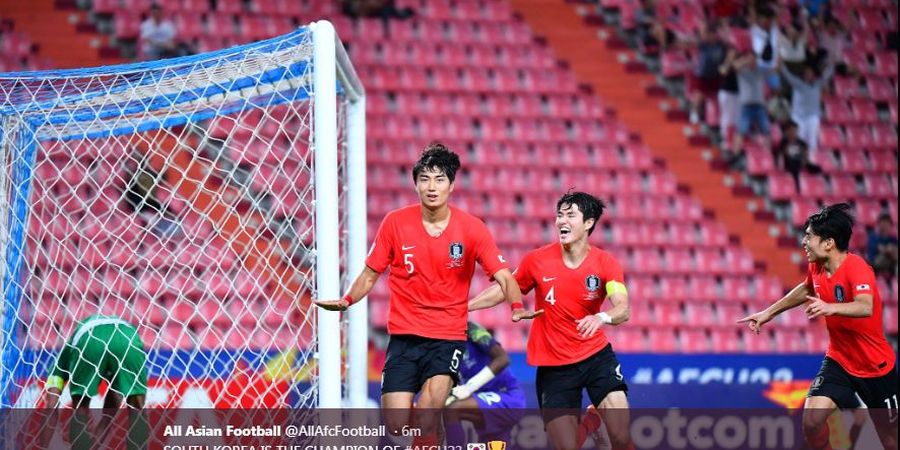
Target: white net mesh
178 196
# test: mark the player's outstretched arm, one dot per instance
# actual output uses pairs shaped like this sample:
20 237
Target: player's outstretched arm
513 295
360 288
488 298
796 297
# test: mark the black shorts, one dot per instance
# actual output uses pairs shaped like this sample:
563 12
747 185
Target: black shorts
411 360
559 387
834 382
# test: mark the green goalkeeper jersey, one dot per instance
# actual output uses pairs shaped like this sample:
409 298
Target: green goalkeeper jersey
102 347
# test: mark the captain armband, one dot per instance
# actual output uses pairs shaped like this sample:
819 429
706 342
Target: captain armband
615 287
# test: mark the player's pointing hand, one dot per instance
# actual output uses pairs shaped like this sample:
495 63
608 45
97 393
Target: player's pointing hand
524 314
756 321
333 305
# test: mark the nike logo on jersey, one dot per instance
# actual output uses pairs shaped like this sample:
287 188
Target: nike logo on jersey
407 247
548 279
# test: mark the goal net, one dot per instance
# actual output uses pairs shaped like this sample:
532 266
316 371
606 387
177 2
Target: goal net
200 199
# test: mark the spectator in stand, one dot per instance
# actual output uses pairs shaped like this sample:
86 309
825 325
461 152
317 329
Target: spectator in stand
881 249
792 47
832 39
751 84
644 18
806 101
385 9
764 36
729 102
704 82
792 154
158 36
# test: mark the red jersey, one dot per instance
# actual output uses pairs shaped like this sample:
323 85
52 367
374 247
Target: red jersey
566 296
856 343
430 276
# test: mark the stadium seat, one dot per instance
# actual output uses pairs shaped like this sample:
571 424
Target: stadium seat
854 161
813 185
701 314
886 64
704 287
726 341
880 186
782 186
843 186
890 319
662 340
694 341
759 161
884 137
668 313
837 111
880 89
864 111
831 137
791 341
756 343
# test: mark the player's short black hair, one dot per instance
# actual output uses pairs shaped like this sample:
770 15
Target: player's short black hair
437 156
833 222
591 207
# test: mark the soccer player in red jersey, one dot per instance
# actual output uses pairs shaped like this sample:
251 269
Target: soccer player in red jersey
567 344
431 250
840 286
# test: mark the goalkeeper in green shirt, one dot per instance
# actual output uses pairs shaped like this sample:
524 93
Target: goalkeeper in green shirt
101 348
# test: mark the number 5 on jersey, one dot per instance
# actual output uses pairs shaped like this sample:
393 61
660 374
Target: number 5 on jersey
407 260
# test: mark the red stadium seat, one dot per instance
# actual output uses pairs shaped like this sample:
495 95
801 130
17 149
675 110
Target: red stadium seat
886 64
843 186
791 341
880 186
864 111
831 137
884 136
694 341
126 26
726 341
782 186
757 343
701 314
662 340
837 111
890 319
813 185
881 89
854 161
668 313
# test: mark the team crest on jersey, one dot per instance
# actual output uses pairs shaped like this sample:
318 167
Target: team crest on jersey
456 255
839 293
592 283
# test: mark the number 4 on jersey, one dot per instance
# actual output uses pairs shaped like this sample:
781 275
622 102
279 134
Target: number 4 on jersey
551 297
